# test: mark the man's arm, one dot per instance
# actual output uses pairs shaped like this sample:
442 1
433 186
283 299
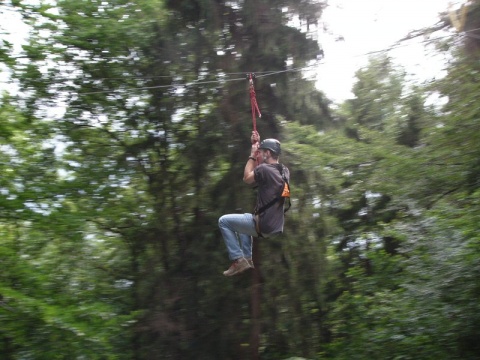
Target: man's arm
248 174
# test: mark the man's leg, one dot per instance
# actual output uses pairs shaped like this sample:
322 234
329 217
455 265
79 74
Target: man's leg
241 225
246 245
235 228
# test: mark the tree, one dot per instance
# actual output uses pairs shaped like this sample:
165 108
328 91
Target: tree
428 190
151 136
376 91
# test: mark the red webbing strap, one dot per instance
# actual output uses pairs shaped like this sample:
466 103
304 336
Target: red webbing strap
253 102
255 110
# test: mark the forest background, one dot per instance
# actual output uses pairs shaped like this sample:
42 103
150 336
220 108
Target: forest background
109 243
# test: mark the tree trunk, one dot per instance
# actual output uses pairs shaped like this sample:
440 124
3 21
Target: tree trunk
255 303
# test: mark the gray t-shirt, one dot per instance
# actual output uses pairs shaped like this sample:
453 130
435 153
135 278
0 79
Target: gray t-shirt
270 185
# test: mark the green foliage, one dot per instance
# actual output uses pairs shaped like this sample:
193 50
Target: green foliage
109 208
377 90
143 164
415 298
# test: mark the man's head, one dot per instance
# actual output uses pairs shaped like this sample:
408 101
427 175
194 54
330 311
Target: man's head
273 147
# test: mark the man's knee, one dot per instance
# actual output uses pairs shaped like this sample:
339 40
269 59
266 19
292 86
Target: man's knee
222 220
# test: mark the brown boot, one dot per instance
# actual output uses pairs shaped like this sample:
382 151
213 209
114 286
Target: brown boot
238 266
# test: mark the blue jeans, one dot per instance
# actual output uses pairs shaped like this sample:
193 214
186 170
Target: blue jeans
237 231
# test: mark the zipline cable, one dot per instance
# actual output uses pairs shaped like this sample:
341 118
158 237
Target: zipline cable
270 73
193 83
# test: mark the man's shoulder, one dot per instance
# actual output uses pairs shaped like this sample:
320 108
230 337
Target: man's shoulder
267 167
272 169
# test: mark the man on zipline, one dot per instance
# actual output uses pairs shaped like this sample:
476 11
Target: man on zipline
268 218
